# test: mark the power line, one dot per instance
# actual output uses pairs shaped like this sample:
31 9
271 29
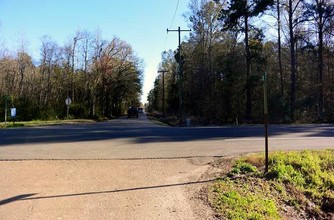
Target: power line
177 6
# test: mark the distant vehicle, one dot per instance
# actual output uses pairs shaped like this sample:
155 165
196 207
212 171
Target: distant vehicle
140 110
132 112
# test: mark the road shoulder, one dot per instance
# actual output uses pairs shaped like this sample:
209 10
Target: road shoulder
104 189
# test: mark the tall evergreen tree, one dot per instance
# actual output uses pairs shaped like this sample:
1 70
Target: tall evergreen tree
239 13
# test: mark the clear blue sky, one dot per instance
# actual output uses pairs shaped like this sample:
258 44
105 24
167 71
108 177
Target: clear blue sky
142 23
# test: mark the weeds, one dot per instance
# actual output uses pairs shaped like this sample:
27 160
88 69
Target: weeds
309 171
238 202
302 180
241 167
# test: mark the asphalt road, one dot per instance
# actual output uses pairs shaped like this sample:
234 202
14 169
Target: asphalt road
167 185
140 138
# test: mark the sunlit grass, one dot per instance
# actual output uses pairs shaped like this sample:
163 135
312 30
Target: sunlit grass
34 123
295 179
234 199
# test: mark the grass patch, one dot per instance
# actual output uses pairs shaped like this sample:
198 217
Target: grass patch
242 167
299 181
157 118
42 123
234 200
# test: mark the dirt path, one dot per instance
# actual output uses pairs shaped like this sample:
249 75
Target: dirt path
103 189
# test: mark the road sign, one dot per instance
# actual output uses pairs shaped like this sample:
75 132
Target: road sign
68 101
13 112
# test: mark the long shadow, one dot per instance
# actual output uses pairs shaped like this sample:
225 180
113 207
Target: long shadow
28 196
16 198
143 131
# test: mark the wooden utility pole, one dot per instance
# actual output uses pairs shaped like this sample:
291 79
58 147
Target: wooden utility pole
180 74
163 91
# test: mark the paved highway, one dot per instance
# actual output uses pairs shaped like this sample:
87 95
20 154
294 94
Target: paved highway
140 138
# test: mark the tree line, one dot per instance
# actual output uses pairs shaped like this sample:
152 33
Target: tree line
233 43
102 78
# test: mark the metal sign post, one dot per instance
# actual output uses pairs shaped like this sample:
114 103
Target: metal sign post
265 105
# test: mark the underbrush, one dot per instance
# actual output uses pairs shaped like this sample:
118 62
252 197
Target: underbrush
299 185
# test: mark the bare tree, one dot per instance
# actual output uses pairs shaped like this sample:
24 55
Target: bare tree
49 60
292 8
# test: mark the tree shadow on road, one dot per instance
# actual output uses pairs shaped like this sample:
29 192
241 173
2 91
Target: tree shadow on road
138 132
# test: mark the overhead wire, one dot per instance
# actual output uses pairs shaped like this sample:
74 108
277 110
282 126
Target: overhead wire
176 8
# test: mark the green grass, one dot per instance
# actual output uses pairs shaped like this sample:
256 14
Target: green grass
234 200
295 179
310 172
41 123
242 167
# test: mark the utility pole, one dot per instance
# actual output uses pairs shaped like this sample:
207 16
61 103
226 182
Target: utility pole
180 73
265 105
163 91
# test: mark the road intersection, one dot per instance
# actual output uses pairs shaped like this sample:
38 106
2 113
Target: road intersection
140 138
128 168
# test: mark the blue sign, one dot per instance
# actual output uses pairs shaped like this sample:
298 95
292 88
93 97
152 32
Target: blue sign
13 112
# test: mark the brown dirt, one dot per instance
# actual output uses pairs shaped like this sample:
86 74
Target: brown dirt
105 189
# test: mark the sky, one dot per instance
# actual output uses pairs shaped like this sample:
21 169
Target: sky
141 23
